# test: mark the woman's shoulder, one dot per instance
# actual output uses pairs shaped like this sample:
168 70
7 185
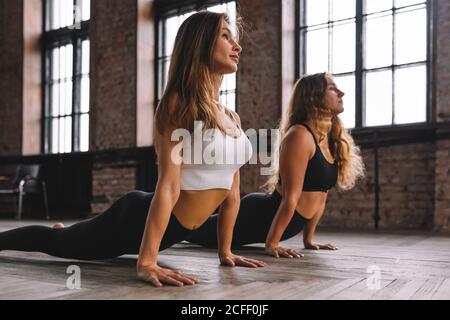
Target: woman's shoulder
233 114
299 132
298 136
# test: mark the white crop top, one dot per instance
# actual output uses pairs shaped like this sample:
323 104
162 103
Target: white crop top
214 167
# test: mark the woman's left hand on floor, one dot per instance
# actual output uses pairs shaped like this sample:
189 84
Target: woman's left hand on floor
318 246
233 260
278 251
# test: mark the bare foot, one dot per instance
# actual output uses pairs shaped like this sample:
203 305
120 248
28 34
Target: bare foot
58 226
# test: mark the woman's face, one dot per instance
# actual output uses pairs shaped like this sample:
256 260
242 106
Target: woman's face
333 97
226 51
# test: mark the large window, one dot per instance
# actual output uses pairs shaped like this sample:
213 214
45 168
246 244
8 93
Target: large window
168 27
66 73
377 51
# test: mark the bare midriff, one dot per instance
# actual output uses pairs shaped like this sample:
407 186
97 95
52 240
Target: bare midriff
194 207
310 202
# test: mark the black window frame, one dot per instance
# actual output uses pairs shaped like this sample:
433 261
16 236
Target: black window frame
300 51
53 39
169 8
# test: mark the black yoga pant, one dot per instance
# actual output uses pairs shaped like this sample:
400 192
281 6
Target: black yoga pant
256 213
115 232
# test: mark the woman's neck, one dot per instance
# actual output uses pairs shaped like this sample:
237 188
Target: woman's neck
322 126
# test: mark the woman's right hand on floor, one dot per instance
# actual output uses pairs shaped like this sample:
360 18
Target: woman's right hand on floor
158 276
278 251
318 246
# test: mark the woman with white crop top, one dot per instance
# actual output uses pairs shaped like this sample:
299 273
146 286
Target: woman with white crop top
194 138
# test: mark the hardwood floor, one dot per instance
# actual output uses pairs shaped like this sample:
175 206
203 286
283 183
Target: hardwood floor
404 265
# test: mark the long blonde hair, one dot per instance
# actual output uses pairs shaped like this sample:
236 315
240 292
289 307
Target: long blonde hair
190 79
306 104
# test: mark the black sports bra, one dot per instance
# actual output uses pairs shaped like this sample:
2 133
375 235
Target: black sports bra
320 175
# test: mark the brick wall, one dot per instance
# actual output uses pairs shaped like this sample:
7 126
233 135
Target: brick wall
113 89
353 208
442 90
11 66
110 181
442 67
259 75
442 186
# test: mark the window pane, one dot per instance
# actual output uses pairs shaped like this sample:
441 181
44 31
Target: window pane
66 11
217 8
317 51
343 48
69 61
85 48
230 80
171 27
84 132
62 62
47 96
48 132
378 42
62 98
347 85
84 107
403 3
316 11
55 14
55 100
68 96
377 5
410 95
378 98
410 36
65 61
343 9
229 100
164 70
55 136
62 131
85 10
231 11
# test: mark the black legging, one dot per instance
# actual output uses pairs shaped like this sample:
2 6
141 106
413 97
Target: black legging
115 232
255 216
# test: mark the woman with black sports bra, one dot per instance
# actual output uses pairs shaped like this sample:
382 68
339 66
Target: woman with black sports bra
186 193
314 154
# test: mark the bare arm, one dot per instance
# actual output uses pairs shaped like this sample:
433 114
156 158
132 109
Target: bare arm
309 231
165 197
228 212
295 152
227 218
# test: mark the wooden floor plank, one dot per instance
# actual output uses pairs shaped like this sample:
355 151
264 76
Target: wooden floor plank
413 265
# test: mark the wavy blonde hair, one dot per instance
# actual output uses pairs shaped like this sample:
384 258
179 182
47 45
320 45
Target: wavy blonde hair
306 104
190 79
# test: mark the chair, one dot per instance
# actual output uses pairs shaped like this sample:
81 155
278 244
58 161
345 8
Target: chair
26 181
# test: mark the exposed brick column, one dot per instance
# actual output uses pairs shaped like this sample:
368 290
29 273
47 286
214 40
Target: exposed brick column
11 66
353 208
111 181
260 75
442 99
32 77
113 73
122 92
